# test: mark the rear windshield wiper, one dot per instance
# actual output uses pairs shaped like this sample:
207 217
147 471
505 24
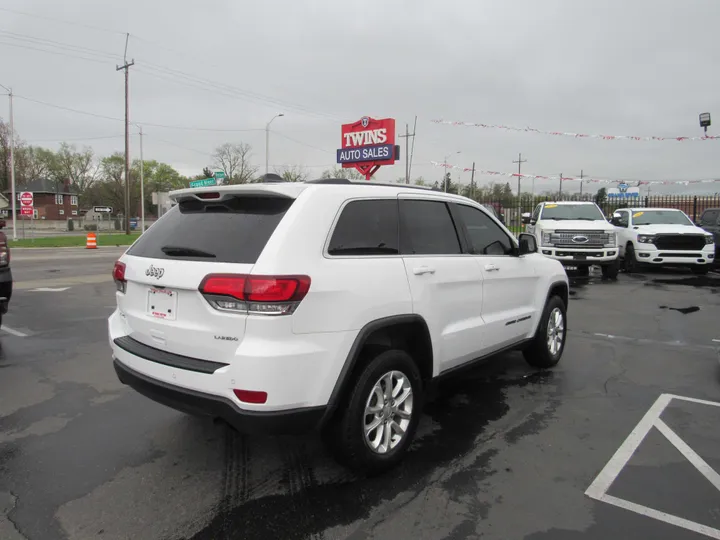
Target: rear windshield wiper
179 251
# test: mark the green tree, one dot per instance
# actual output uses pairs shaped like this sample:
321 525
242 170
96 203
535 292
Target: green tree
339 172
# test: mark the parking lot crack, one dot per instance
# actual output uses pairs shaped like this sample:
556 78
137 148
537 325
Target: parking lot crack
9 530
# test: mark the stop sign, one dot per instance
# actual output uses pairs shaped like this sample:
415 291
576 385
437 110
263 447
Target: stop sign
26 198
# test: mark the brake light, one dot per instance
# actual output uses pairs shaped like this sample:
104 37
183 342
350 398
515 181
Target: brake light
211 195
268 295
119 276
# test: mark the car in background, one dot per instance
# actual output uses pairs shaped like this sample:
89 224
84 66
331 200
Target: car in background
710 222
6 280
662 237
577 234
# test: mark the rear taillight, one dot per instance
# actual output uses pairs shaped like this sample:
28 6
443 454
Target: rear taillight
4 253
266 295
119 276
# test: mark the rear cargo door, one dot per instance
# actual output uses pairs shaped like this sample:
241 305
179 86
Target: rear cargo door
162 305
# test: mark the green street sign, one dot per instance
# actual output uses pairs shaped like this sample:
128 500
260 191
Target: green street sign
205 182
219 175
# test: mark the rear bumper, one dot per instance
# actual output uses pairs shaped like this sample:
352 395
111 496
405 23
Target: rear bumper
191 401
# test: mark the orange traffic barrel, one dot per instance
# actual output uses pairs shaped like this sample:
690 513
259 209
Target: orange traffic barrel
91 241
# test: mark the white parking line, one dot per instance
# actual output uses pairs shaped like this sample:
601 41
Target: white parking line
600 486
12 331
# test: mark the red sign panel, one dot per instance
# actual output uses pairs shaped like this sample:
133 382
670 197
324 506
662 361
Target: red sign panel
27 211
368 144
26 198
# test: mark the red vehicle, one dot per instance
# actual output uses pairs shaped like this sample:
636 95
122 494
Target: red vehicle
6 281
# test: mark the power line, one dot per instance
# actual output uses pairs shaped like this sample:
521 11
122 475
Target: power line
58 53
151 124
52 43
76 139
304 143
88 26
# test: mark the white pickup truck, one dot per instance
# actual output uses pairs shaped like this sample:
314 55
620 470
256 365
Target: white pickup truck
662 237
577 234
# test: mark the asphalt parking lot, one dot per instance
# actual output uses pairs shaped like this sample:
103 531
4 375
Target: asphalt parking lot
606 445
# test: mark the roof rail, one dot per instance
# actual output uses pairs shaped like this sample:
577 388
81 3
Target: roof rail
347 181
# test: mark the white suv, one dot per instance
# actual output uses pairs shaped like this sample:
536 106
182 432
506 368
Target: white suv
283 307
577 234
662 237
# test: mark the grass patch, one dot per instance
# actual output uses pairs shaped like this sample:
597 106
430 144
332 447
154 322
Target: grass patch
75 241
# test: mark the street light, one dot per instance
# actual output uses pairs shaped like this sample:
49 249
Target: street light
12 160
445 179
267 141
705 121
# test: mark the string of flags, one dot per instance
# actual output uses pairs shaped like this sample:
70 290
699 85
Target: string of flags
572 178
577 135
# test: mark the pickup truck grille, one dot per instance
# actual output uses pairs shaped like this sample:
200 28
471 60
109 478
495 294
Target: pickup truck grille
680 241
574 239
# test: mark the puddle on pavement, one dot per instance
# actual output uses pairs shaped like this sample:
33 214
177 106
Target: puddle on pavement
695 281
684 311
455 416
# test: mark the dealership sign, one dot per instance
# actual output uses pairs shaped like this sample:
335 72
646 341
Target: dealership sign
368 144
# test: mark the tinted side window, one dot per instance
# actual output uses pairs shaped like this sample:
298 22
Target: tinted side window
536 213
486 238
366 228
428 229
623 220
710 217
234 230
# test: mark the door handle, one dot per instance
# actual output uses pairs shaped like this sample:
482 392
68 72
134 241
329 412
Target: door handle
420 270
491 268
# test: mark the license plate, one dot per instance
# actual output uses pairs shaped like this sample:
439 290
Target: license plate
162 304
580 257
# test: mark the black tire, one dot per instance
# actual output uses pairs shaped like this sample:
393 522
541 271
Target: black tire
700 269
610 271
346 435
538 354
630 261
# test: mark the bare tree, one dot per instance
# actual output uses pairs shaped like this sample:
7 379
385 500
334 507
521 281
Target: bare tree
339 172
76 166
293 173
234 160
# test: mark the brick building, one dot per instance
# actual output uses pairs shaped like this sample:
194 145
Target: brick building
52 202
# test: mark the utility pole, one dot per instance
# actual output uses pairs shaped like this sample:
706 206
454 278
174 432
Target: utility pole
407 150
581 182
412 150
126 67
472 182
12 162
142 186
519 161
560 192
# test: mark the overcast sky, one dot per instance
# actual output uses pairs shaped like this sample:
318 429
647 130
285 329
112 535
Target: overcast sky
620 67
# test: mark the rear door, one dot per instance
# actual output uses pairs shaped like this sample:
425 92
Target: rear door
446 286
509 281
162 305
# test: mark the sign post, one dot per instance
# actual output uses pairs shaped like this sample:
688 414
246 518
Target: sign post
27 203
368 144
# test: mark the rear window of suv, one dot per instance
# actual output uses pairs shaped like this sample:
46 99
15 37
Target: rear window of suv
232 231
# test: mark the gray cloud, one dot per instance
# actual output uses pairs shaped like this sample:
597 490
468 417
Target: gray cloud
645 67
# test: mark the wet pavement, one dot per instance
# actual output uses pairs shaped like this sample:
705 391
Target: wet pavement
505 452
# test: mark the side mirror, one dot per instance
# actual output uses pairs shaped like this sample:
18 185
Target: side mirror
528 244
